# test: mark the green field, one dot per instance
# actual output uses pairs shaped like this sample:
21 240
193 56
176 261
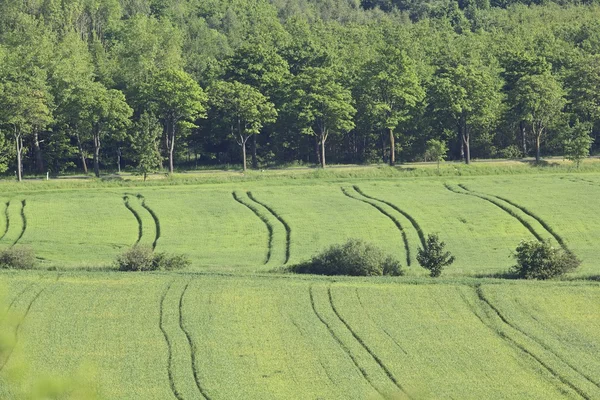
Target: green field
259 226
270 337
232 328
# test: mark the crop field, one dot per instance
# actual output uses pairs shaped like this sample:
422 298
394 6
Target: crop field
233 326
193 336
259 226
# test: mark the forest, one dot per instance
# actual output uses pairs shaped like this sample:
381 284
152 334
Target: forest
146 85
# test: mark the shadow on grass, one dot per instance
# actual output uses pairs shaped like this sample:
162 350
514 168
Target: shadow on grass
499 275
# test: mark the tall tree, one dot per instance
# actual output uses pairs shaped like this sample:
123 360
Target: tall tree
321 105
178 101
541 100
244 108
469 97
391 91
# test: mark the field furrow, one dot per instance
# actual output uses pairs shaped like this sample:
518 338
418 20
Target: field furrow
405 214
5 219
137 217
156 221
390 217
264 219
286 226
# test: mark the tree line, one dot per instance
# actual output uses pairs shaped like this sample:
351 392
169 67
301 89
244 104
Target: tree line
149 84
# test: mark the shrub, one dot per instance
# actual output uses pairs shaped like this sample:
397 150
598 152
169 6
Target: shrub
539 260
433 257
355 258
18 257
137 258
170 262
142 258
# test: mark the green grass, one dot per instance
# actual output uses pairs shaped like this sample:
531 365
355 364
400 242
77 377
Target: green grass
149 336
482 219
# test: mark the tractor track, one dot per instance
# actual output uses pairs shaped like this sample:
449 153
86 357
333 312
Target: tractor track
288 229
24 220
137 218
169 345
391 218
409 217
263 219
364 345
340 343
501 206
19 324
503 318
7 220
191 344
154 217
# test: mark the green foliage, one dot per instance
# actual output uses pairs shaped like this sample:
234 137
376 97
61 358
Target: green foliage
145 144
17 257
436 151
577 143
540 260
143 258
355 258
433 257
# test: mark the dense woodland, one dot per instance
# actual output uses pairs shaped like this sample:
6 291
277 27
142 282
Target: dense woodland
148 84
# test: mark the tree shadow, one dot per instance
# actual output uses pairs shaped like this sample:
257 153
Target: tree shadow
499 275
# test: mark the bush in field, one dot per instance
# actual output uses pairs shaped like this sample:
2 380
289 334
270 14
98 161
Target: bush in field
355 258
433 257
18 257
143 258
539 260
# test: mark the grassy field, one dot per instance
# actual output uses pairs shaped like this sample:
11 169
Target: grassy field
190 336
262 225
232 327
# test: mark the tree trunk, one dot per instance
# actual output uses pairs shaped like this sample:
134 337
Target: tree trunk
392 147
19 148
171 147
254 159
538 137
80 147
39 161
244 153
523 137
119 160
97 155
465 142
317 151
323 138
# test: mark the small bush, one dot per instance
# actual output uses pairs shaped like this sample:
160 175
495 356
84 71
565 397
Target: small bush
539 260
170 262
142 258
354 258
18 257
433 257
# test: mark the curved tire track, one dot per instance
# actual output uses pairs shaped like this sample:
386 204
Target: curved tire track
191 344
19 324
501 206
340 343
24 221
137 218
7 220
263 219
409 217
392 218
288 229
155 218
169 345
364 345
503 318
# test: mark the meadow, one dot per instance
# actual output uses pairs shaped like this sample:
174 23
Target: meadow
191 336
260 225
233 326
